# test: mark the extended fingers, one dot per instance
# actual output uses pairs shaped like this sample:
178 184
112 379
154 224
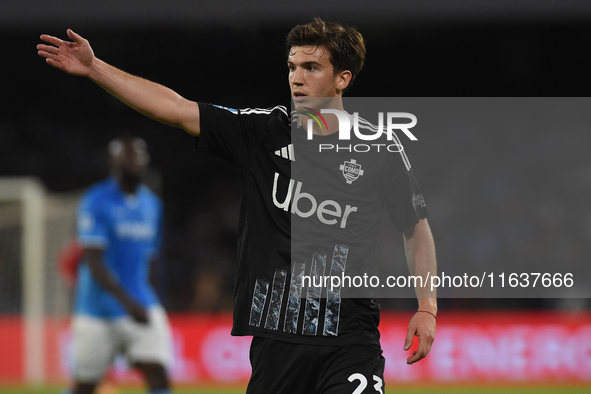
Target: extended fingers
51 57
52 40
54 63
48 55
49 49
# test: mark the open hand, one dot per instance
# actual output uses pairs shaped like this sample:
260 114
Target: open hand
74 57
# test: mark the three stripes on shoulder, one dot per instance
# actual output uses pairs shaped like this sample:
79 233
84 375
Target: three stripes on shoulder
286 152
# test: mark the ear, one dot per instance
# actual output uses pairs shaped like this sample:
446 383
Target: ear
343 79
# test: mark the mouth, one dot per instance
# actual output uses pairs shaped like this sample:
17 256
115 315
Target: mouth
299 96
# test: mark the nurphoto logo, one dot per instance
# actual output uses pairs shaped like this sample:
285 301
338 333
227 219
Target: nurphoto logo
315 115
363 130
345 125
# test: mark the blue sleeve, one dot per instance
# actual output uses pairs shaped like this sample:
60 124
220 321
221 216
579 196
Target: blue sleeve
92 225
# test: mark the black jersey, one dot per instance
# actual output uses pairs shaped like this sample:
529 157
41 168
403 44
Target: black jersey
305 212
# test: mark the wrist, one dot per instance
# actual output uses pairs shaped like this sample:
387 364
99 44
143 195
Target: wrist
95 69
429 305
427 312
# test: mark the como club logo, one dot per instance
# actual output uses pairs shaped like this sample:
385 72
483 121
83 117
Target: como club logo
351 170
315 115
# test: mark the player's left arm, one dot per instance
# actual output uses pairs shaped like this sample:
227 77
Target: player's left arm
420 257
158 240
153 273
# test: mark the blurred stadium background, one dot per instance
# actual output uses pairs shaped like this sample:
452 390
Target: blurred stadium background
531 207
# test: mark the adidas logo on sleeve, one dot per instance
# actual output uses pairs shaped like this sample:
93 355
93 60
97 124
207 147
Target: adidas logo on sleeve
286 152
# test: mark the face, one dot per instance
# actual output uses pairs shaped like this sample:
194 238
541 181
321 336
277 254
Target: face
130 162
311 74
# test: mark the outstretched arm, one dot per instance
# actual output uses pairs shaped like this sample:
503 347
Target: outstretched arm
420 257
149 98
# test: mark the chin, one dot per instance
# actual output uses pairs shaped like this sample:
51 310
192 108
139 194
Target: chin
299 106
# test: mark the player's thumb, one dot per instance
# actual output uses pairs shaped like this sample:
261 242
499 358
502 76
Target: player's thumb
409 337
74 36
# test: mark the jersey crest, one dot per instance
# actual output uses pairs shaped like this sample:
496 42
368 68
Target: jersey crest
351 170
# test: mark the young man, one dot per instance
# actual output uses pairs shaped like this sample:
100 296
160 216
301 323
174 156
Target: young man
116 309
299 344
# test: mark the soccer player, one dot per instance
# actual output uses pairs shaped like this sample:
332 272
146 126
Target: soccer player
302 342
116 309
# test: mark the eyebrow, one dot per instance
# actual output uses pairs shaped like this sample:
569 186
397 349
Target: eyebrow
312 63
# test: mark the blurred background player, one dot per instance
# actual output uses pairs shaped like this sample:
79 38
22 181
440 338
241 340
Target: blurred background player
69 258
116 308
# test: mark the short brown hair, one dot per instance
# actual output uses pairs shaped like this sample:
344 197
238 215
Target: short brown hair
345 44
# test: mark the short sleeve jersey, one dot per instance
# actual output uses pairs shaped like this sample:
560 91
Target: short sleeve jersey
128 229
300 215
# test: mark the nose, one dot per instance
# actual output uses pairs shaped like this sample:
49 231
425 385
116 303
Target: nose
296 77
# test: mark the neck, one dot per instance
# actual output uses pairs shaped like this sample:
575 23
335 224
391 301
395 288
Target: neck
127 187
332 123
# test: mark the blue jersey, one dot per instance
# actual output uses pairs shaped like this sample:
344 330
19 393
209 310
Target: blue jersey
128 229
